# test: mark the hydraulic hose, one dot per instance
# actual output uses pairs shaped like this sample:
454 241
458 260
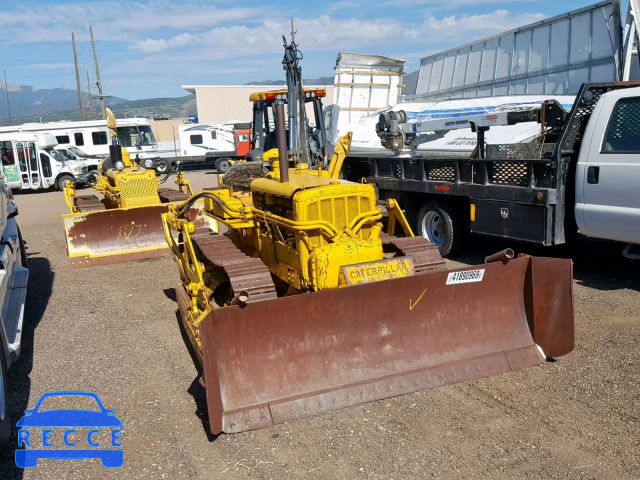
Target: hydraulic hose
188 203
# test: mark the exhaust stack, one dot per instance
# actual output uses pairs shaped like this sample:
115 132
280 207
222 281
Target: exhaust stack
281 136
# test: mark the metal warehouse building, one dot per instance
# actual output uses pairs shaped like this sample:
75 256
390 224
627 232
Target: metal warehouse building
224 103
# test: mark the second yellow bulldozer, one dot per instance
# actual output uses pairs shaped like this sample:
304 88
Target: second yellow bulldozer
126 223
304 305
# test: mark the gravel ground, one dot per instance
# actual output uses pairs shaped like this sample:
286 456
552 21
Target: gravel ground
114 330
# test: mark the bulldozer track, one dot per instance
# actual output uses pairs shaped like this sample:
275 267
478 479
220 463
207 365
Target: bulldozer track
425 255
169 195
88 203
244 272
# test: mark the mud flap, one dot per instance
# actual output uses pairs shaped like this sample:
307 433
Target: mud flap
285 359
120 235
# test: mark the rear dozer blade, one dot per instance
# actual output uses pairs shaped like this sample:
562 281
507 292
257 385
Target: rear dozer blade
121 235
287 358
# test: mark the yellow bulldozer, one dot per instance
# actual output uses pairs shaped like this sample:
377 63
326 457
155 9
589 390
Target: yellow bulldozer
126 223
305 305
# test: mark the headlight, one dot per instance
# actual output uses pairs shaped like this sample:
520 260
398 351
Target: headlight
75 170
120 165
148 163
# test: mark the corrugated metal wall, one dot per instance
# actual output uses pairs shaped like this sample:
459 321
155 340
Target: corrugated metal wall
220 103
554 56
631 42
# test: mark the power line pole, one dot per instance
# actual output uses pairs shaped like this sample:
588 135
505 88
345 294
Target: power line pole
95 57
75 59
91 109
6 86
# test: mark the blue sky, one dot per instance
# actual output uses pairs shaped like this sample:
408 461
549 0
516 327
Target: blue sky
148 48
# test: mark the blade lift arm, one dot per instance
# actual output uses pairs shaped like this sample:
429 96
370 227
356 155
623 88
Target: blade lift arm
396 215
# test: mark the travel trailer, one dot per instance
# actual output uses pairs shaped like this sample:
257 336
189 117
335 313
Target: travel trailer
218 143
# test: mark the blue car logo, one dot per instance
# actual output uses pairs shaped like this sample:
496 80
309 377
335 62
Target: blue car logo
69 433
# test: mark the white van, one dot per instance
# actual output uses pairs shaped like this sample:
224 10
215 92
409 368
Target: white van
91 161
30 162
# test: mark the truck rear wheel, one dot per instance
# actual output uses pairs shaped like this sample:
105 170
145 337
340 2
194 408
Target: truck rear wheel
62 181
5 421
162 166
435 222
223 164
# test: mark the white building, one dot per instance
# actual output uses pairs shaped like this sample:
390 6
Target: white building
225 103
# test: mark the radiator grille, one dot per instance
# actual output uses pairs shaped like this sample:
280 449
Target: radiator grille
340 212
136 187
137 190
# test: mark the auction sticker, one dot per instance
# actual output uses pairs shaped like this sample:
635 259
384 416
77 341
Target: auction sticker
467 276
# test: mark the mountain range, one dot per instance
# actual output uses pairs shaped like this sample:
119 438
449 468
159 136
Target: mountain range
32 104
26 100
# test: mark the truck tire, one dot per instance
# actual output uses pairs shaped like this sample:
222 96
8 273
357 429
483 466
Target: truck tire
436 223
92 177
163 166
62 181
5 421
223 164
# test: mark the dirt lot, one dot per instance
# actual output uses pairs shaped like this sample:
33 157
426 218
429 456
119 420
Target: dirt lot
113 330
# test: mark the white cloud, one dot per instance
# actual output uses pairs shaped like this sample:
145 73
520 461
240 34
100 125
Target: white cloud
157 45
343 5
242 53
47 66
182 40
117 20
447 4
496 22
326 33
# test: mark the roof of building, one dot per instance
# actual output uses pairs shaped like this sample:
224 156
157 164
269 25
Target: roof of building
192 88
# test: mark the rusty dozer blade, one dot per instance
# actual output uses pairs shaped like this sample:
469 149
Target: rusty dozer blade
121 235
284 359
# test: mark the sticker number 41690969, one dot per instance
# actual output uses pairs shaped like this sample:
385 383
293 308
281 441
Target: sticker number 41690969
467 276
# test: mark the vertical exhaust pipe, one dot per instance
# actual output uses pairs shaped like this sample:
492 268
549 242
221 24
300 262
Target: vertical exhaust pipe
281 136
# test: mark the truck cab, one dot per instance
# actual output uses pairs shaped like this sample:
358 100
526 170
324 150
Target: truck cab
138 139
30 162
608 169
